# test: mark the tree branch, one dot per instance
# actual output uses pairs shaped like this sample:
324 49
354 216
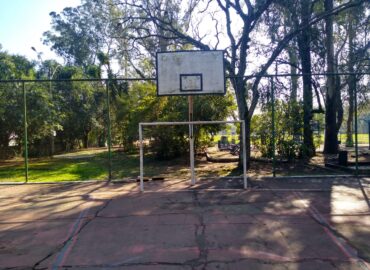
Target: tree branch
284 42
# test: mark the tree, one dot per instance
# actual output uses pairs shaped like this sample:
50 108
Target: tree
141 104
39 119
11 67
354 23
331 128
351 79
304 45
81 110
81 34
143 27
298 13
240 20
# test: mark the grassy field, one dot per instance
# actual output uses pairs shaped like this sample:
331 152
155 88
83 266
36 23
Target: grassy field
78 166
217 138
93 164
71 167
362 138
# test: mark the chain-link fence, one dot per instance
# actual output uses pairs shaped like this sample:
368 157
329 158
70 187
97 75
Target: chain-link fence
295 115
77 130
64 130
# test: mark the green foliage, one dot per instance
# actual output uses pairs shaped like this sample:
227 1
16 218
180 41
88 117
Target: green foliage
141 104
15 67
72 37
84 35
73 114
11 104
82 110
288 130
11 120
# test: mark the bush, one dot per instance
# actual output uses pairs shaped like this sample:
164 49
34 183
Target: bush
168 143
289 149
288 126
141 104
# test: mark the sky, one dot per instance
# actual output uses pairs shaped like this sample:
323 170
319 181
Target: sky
22 23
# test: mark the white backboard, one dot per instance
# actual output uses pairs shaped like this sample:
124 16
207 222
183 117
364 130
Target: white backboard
190 73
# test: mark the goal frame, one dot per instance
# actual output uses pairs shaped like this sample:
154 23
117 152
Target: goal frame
191 141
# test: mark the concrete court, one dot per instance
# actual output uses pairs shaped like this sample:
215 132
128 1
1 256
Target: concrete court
170 226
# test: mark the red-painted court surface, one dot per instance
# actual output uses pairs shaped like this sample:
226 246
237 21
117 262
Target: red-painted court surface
277 224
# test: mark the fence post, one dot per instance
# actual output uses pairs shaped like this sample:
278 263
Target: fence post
356 128
245 178
273 126
25 138
368 130
141 158
109 139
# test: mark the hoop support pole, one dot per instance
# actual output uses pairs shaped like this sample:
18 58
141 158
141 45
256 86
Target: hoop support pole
191 138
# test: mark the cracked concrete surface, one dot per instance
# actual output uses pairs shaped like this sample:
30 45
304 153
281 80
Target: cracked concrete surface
113 226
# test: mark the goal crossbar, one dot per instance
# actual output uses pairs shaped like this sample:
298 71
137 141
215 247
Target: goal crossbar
191 124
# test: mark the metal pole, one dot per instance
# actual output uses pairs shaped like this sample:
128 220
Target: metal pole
52 132
141 158
25 141
187 123
109 139
356 131
191 139
245 178
273 126
368 124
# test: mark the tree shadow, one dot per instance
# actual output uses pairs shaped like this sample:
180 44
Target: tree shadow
280 224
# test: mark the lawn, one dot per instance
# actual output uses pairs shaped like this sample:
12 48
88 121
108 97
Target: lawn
362 138
92 164
71 167
230 138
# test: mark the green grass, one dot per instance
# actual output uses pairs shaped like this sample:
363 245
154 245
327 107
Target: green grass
217 138
92 164
57 169
88 165
76 166
362 138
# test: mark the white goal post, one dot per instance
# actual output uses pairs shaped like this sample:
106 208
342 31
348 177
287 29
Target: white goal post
191 141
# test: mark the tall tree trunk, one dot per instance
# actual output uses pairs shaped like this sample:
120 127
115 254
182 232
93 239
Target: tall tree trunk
239 84
331 140
339 103
86 140
294 106
351 80
293 70
304 47
293 60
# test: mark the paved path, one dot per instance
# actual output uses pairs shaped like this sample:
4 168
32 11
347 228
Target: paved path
99 226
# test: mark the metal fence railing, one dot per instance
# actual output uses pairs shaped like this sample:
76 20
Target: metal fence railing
80 129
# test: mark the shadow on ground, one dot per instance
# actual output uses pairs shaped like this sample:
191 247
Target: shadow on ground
277 224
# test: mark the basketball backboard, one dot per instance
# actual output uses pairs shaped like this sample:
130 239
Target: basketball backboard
190 73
